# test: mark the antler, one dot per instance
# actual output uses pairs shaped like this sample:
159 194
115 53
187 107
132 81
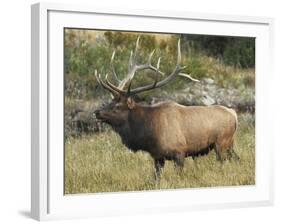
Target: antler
133 67
156 84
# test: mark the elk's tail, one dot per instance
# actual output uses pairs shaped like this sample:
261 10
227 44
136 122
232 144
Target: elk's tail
233 112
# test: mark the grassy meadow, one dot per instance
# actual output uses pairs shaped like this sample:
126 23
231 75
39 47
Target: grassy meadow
101 163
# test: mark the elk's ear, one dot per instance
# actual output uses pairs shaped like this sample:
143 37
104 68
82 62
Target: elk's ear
130 103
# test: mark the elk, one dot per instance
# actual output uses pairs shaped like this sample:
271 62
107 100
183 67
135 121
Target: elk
166 130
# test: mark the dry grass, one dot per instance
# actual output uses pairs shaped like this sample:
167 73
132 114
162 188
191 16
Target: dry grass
101 163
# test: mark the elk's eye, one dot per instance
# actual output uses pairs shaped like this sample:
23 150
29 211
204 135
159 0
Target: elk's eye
118 106
115 110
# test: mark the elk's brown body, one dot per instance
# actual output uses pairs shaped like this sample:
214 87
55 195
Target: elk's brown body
170 130
166 130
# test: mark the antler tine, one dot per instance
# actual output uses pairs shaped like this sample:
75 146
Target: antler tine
129 89
179 53
150 57
136 48
133 56
188 76
158 64
130 65
97 78
157 72
112 67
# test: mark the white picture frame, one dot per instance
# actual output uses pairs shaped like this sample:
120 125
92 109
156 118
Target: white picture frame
47 198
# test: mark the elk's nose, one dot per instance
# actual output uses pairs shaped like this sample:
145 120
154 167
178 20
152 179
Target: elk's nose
97 112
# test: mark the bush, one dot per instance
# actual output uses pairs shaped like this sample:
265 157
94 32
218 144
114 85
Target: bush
236 51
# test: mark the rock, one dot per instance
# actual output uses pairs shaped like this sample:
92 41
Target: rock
208 81
208 93
207 100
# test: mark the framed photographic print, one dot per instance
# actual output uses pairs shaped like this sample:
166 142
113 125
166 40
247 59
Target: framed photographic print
148 111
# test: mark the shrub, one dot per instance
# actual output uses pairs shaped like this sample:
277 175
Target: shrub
236 51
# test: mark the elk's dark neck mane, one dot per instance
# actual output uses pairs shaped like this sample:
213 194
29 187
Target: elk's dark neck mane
136 132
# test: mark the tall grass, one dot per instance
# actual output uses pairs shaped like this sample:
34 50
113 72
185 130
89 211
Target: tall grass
101 163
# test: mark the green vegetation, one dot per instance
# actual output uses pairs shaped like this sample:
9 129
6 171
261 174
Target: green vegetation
237 51
227 60
101 163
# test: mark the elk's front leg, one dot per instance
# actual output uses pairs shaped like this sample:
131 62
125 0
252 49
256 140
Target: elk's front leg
159 164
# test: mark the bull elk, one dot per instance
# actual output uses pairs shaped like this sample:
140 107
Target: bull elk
166 130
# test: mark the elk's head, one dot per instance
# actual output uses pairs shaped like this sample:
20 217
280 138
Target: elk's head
116 112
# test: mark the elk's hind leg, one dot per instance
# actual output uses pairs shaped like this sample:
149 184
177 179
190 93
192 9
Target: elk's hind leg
222 146
221 152
179 161
232 153
218 152
159 164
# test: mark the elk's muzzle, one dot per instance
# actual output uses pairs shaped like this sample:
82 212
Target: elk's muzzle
97 113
